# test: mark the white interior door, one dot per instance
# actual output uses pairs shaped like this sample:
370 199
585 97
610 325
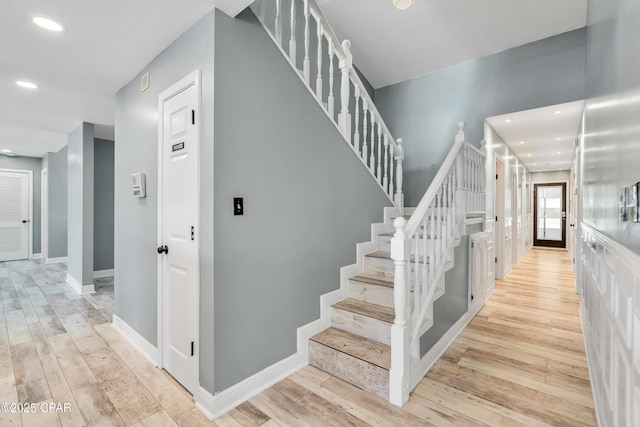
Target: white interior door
14 215
44 208
180 192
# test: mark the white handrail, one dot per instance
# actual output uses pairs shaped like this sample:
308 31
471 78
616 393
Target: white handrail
374 145
421 248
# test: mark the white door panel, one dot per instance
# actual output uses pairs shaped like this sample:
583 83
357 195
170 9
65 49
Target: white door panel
179 221
14 215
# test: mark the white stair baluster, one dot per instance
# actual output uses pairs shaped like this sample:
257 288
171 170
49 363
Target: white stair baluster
261 10
330 99
372 147
379 169
319 58
385 179
365 125
306 65
356 134
346 66
431 233
279 22
398 198
391 175
292 39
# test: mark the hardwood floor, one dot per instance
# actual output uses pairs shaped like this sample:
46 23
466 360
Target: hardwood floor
521 361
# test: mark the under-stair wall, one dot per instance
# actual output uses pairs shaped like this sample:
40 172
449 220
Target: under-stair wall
308 202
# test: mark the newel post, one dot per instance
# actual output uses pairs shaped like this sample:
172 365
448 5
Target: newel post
346 65
461 173
398 198
400 334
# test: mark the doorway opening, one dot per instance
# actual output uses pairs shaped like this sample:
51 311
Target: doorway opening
550 215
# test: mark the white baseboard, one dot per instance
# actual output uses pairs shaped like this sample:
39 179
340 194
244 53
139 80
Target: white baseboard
148 350
80 288
56 260
36 256
432 356
214 406
102 273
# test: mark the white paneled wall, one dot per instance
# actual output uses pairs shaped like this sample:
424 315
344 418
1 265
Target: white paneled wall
610 288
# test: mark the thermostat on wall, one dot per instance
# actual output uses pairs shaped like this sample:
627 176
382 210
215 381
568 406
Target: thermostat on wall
139 181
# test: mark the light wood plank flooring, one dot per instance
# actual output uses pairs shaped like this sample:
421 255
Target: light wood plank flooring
521 361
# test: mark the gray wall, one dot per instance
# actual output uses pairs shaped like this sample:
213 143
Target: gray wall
35 165
136 150
80 155
103 205
57 174
308 201
451 306
610 146
424 111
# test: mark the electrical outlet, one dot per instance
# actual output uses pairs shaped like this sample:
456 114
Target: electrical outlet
238 206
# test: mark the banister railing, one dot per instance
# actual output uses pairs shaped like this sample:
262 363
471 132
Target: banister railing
357 118
421 248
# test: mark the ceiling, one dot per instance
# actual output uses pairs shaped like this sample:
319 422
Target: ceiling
543 138
107 43
391 45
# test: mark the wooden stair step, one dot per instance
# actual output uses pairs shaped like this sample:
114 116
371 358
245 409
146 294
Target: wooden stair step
387 255
374 279
353 345
375 311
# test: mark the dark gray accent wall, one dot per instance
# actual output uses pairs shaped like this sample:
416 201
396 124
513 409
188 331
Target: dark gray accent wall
80 155
103 205
610 146
57 174
35 165
424 111
136 150
308 201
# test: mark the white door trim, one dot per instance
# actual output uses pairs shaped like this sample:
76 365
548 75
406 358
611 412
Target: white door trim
30 201
44 212
192 79
499 226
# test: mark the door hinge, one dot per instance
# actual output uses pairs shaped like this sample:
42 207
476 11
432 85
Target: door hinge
496 260
473 245
192 348
471 297
193 117
496 219
193 233
496 176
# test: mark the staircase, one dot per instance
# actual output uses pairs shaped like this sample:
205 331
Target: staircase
374 336
357 347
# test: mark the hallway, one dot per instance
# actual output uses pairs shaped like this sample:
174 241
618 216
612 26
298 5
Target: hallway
521 361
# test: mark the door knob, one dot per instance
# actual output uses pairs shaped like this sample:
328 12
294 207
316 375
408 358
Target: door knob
164 249
24 221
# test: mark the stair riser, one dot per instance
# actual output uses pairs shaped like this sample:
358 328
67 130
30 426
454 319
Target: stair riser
384 244
351 369
375 294
367 327
383 266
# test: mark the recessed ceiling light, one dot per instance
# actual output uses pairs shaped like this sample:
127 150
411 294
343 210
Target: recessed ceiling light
27 85
508 120
5 150
558 139
528 155
535 164
559 152
47 24
521 142
557 112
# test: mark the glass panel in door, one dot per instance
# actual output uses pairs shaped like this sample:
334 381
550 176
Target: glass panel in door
549 218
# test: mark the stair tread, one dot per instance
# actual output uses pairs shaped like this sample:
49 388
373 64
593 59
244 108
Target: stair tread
374 279
380 254
375 311
362 348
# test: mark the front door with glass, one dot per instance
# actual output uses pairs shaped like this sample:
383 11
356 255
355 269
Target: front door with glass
550 215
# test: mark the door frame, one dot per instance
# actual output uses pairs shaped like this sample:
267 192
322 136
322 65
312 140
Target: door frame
30 201
498 209
534 204
44 213
192 79
515 235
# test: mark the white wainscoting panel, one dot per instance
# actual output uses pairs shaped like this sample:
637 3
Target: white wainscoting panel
610 311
